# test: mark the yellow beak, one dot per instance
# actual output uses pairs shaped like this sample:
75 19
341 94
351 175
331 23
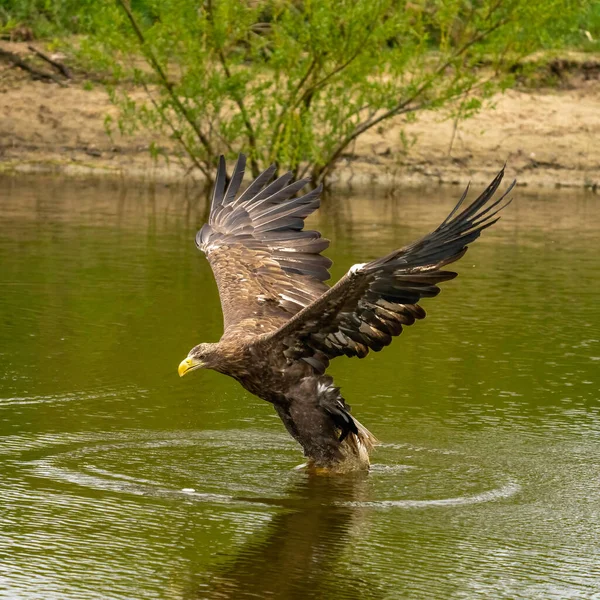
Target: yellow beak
189 364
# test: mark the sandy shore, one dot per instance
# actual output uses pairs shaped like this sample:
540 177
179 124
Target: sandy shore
548 137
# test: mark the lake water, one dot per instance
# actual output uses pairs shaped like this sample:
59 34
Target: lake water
120 480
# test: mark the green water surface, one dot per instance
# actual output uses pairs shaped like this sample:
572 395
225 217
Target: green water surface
120 480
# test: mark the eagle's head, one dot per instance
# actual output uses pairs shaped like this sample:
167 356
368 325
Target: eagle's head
202 356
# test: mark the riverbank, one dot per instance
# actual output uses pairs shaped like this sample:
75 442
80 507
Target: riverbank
547 135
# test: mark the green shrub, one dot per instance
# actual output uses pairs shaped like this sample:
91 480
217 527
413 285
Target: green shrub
298 82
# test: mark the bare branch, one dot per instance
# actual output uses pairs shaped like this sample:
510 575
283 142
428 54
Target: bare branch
17 61
58 66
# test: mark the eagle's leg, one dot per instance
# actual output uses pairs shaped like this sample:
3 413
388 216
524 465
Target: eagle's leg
316 415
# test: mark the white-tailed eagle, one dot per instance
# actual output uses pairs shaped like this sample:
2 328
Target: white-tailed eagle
283 324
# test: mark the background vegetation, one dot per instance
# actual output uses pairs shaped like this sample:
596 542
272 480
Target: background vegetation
299 82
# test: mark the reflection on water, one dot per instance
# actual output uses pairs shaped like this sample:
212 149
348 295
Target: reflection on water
301 552
119 480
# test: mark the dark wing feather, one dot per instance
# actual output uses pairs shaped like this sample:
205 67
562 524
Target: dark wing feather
372 302
266 267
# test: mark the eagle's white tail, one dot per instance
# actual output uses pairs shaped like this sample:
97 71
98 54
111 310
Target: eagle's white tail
361 443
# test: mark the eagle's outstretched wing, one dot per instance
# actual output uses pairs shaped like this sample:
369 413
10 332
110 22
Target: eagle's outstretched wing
266 267
373 301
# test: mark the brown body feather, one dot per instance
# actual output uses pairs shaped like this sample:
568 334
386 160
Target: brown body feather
283 324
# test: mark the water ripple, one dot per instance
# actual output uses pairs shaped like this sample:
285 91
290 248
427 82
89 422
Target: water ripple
226 467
